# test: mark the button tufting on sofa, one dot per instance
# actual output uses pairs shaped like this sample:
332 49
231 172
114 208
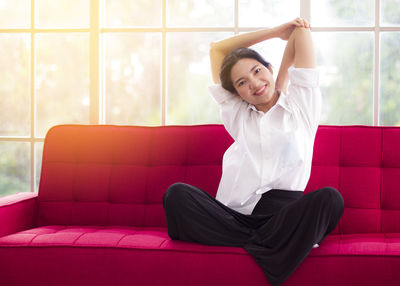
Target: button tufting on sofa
98 218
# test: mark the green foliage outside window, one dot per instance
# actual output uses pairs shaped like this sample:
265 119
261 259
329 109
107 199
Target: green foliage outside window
132 62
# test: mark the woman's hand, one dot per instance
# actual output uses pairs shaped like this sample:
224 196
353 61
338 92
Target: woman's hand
285 30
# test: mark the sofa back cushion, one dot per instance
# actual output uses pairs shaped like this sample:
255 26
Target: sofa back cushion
117 175
363 163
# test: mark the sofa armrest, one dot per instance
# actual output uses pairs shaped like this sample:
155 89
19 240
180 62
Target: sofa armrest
17 212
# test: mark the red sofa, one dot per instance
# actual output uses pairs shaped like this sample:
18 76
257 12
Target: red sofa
98 218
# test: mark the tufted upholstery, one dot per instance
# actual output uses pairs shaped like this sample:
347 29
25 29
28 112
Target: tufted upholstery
89 173
363 163
98 218
110 175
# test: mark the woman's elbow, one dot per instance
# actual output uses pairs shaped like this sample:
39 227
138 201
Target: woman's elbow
213 48
304 49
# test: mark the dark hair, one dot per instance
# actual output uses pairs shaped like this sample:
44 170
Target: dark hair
231 59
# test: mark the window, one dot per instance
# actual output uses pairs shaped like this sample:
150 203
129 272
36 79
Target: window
145 62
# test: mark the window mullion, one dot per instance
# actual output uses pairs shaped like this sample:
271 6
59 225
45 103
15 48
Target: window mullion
33 99
376 64
94 62
163 96
236 17
305 10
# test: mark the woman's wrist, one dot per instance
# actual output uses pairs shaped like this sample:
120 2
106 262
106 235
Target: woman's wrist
285 30
275 31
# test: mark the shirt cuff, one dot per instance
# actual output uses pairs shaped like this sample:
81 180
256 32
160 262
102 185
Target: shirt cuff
219 93
306 77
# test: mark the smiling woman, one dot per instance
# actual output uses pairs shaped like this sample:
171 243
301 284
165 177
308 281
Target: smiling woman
233 70
260 204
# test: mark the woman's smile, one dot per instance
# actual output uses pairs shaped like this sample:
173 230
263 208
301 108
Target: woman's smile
254 83
260 91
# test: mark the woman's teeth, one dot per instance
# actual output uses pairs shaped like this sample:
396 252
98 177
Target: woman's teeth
259 91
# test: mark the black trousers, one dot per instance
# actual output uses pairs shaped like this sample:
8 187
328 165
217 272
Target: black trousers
279 234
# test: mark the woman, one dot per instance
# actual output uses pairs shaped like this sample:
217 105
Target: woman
260 204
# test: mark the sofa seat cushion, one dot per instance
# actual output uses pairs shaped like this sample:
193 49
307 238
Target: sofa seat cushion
131 255
108 236
157 238
380 244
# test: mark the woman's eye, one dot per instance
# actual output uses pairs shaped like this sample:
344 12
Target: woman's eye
257 70
241 83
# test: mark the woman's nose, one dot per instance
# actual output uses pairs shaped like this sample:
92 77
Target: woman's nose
253 82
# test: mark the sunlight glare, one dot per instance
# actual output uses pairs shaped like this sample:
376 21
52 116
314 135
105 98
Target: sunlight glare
85 101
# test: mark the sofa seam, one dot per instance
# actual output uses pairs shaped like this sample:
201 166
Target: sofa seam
76 239
73 192
122 247
162 243
149 170
125 235
182 251
30 242
109 176
186 161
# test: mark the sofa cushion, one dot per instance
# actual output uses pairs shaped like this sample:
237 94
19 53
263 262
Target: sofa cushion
117 175
158 239
362 162
95 236
103 256
149 256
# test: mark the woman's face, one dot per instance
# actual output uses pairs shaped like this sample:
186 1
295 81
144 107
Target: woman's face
254 83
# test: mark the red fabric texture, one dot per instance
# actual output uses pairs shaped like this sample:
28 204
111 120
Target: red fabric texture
16 212
99 220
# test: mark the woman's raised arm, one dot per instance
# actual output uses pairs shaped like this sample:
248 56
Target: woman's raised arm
299 52
220 49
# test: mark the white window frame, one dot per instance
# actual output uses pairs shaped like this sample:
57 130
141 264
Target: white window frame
97 93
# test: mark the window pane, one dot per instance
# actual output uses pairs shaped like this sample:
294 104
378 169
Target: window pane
342 13
390 12
62 13
14 84
346 61
119 13
14 167
210 13
15 13
261 13
62 80
132 78
390 79
38 162
189 75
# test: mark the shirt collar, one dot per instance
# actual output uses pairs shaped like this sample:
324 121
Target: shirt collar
282 101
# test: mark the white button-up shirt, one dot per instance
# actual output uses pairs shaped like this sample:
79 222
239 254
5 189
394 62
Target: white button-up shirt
272 150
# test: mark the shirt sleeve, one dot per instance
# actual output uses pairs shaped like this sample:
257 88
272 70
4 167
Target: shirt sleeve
232 108
304 93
